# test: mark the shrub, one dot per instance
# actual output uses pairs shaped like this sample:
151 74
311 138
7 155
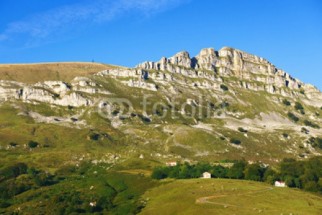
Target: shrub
159 173
224 104
13 144
298 106
285 135
13 171
286 102
235 141
224 87
293 117
311 124
305 131
32 144
254 172
242 130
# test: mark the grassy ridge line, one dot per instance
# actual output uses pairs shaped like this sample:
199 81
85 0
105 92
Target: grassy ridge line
63 71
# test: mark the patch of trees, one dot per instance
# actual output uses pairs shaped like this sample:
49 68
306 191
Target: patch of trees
239 170
305 175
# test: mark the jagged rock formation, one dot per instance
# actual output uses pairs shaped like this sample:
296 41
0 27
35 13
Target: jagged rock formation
253 72
209 69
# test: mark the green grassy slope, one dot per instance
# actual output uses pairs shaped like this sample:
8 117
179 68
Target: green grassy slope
219 196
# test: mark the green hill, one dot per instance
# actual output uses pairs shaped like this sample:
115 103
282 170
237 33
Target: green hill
219 196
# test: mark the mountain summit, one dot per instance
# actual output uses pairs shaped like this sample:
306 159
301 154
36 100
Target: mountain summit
253 72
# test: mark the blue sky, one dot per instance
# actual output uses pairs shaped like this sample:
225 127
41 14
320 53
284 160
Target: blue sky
125 32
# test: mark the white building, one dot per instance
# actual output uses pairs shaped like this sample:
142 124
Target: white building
171 163
280 184
206 175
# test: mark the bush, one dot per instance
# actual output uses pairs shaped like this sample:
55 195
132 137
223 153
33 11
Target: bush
237 170
285 135
286 102
224 87
224 104
254 172
13 171
311 124
159 173
293 117
235 141
242 130
304 130
298 106
315 142
32 144
94 136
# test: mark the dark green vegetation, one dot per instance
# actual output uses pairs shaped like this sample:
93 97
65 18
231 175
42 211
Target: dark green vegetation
286 102
235 141
305 175
224 87
299 107
293 117
311 124
85 189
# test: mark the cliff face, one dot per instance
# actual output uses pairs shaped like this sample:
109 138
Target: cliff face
253 72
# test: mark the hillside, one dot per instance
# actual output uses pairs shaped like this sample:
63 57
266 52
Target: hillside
218 196
218 105
33 73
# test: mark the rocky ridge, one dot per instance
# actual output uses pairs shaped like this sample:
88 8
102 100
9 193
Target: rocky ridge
208 70
253 72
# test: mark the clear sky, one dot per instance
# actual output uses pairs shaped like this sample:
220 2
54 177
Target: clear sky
125 32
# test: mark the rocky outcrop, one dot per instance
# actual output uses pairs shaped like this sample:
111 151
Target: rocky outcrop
51 92
206 59
256 72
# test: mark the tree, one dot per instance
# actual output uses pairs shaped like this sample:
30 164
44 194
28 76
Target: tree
286 102
237 170
254 172
159 173
219 171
